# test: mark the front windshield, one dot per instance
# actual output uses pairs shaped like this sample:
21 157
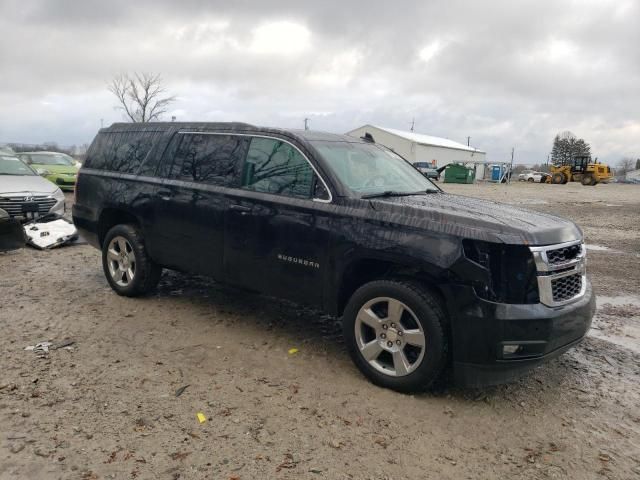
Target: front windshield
52 159
369 169
10 165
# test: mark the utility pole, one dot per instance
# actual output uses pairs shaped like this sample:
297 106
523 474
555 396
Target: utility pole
306 124
510 168
102 123
413 123
468 141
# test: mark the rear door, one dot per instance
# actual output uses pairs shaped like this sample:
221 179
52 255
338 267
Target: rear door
190 204
276 234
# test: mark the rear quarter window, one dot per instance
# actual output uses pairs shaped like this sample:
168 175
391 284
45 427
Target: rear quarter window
122 152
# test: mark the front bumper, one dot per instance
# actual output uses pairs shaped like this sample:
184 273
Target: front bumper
64 182
481 329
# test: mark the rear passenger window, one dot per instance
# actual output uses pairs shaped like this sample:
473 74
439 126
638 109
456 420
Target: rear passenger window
121 152
273 166
207 158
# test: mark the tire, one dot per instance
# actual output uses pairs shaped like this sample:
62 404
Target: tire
530 180
588 180
131 273
558 178
396 360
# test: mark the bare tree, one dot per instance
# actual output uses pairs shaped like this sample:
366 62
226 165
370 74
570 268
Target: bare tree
625 165
141 96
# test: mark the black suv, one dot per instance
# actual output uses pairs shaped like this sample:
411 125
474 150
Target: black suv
421 278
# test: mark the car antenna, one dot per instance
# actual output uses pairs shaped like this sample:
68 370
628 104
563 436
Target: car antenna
368 138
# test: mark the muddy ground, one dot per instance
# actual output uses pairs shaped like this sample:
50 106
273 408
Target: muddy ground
106 406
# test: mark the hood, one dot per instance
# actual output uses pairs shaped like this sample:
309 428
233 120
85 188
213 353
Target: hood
469 217
12 184
72 169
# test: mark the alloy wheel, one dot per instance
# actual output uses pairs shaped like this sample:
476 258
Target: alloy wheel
389 336
121 261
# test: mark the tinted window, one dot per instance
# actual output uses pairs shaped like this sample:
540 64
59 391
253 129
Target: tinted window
59 159
273 166
207 158
121 151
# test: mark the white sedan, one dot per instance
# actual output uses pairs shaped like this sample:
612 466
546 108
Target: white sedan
531 176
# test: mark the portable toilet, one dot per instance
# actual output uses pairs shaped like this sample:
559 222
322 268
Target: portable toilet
455 173
496 173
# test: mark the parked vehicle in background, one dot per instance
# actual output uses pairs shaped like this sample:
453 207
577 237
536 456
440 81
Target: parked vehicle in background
421 278
57 167
428 170
532 176
24 194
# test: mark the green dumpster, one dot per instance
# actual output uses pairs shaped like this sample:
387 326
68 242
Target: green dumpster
455 173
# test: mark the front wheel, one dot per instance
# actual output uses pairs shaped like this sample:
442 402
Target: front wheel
395 333
588 180
126 264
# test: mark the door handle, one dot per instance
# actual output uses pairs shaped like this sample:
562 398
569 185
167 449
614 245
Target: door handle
242 209
165 194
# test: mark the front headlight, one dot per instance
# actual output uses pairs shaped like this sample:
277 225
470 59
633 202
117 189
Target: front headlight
58 195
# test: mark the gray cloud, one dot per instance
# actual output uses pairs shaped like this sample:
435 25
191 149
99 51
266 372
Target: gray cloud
506 73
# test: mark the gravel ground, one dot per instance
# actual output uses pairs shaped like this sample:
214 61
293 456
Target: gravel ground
106 406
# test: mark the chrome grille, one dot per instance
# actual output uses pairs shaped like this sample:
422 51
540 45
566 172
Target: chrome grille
13 205
561 272
565 288
565 254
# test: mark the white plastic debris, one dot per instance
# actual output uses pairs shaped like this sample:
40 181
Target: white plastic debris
42 347
50 234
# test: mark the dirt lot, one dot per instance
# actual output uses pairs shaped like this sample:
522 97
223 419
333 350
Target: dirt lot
106 407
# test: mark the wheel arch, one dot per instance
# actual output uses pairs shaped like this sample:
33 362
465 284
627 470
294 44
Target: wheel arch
367 269
110 217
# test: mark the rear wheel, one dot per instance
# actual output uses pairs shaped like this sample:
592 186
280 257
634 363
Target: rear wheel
558 178
394 331
126 264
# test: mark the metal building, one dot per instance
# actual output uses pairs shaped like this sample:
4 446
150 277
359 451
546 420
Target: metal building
417 147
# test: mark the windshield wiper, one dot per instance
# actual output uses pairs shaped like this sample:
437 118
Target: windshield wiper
392 193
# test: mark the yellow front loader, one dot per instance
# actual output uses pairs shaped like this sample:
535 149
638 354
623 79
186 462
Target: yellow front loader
581 170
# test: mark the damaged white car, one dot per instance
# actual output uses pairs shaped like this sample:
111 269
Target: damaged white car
25 195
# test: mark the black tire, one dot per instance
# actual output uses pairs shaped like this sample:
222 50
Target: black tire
428 312
146 273
588 180
530 180
558 178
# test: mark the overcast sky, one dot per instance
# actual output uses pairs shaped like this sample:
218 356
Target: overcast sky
506 73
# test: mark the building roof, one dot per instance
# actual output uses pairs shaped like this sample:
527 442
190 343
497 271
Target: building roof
425 139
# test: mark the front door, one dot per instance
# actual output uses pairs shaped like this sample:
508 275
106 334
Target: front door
276 234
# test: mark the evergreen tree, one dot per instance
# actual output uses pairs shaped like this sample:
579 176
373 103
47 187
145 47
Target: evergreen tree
566 146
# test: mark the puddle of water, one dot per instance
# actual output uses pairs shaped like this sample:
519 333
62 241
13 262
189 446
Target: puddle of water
618 300
612 205
626 333
596 247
